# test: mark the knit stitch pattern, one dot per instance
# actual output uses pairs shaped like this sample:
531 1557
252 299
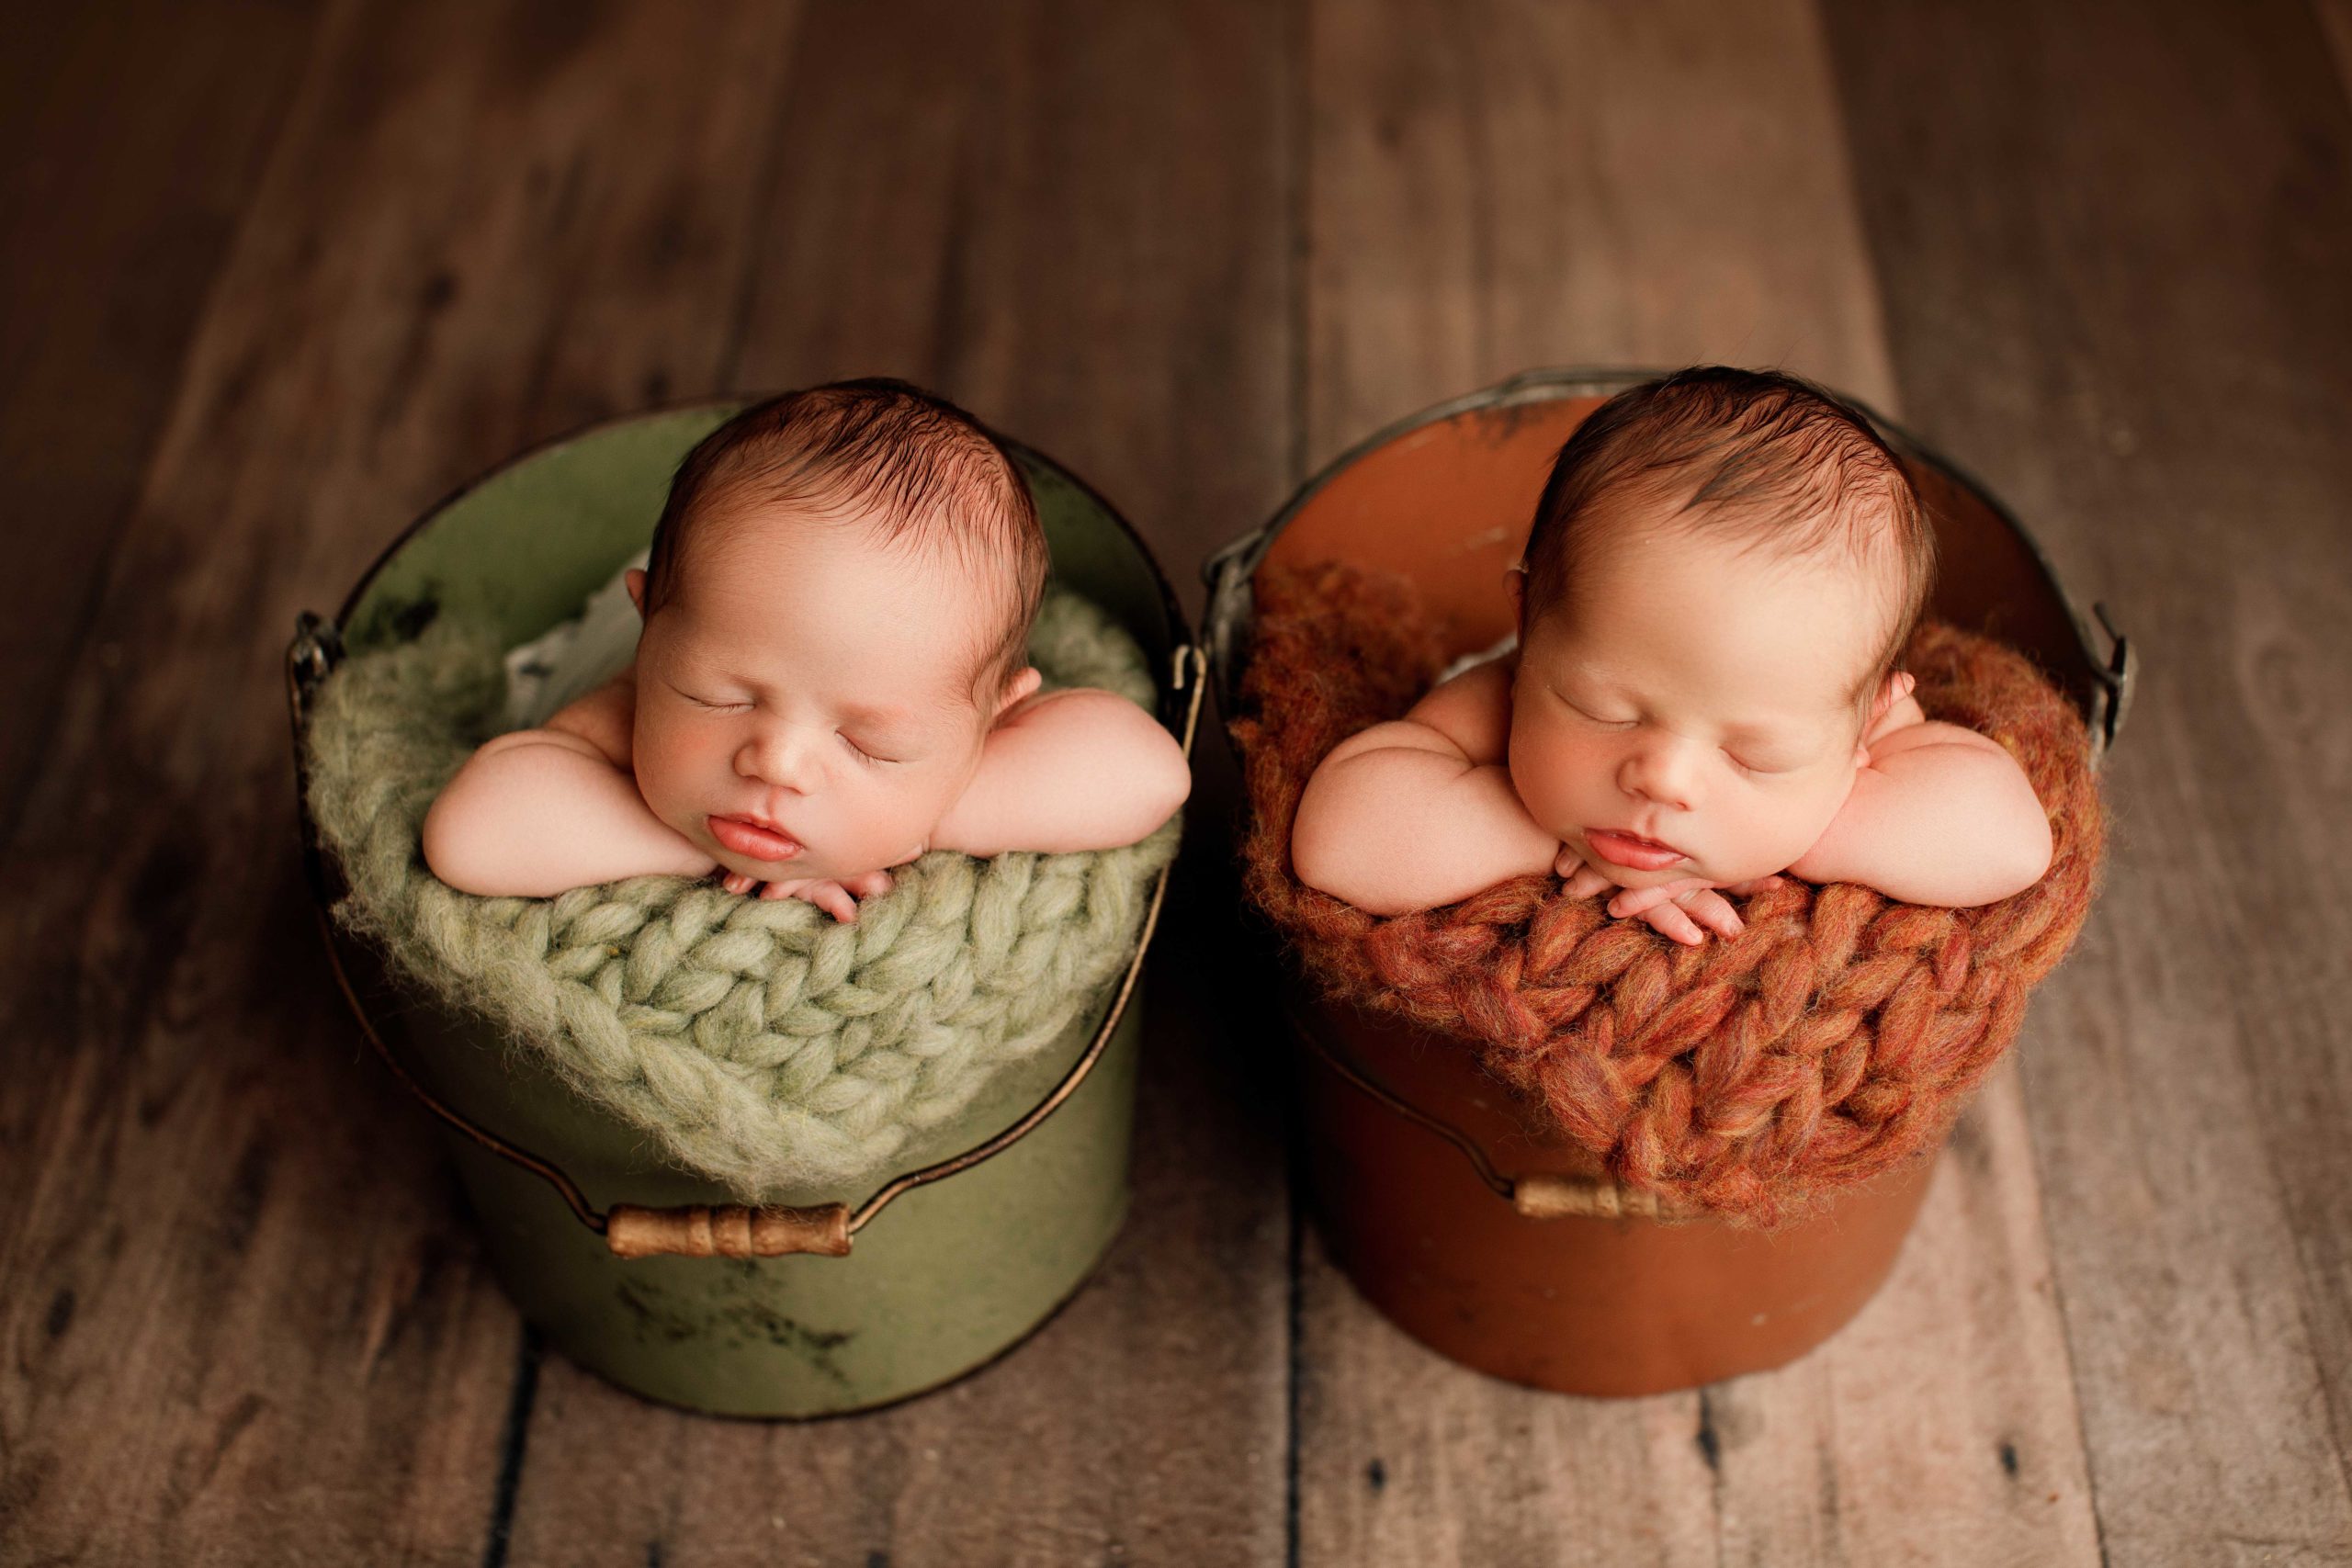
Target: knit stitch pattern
760 1044
1838 1035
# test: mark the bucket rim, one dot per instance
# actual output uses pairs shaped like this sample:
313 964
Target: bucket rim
829 1229
1179 628
1229 572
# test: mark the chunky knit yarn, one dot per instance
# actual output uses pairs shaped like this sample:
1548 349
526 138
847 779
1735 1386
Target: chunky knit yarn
1837 1035
760 1044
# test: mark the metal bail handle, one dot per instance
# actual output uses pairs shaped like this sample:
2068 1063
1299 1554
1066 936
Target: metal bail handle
2116 681
1535 1196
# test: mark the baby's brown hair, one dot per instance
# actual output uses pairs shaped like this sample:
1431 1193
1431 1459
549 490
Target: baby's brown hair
1758 456
926 472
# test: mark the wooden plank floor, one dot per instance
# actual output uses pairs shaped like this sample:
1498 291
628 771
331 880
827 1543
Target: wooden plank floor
279 275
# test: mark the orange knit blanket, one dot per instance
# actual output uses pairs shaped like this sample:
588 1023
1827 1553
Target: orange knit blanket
1838 1035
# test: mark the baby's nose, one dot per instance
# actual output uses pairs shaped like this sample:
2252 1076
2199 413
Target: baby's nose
782 757
1663 771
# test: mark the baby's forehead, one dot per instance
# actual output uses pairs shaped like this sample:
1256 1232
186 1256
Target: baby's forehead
1776 645
1863 552
730 537
929 617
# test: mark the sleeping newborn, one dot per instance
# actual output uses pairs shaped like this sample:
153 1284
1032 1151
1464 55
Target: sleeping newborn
1722 571
832 679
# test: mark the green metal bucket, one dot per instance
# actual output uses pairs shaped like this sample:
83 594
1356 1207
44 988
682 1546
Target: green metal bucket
830 1301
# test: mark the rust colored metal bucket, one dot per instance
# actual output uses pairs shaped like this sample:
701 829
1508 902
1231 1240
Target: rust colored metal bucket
1454 1209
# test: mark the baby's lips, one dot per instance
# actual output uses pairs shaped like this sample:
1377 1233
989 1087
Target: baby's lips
752 841
1619 848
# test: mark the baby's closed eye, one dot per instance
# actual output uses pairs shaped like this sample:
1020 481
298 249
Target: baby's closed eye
714 705
1761 769
1599 716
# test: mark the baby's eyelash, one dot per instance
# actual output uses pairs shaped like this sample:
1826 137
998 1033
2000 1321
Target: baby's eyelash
704 702
1592 718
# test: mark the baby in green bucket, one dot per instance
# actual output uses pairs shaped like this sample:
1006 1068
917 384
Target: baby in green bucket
1723 572
832 679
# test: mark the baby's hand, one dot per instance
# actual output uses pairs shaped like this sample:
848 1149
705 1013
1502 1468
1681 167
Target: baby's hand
838 899
1678 909
1583 881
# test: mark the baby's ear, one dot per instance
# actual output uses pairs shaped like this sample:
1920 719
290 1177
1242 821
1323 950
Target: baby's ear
1020 689
1892 689
634 578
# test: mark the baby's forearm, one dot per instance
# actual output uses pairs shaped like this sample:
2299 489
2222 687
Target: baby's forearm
539 812
1941 816
1074 770
1392 828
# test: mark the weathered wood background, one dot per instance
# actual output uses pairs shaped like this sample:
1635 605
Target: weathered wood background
277 273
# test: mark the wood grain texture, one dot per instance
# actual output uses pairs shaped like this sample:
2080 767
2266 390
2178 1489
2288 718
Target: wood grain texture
125 169
1510 186
2336 22
262 1333
1071 219
2115 240
1525 185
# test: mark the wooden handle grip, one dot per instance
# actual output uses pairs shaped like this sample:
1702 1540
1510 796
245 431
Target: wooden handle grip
1568 1197
729 1231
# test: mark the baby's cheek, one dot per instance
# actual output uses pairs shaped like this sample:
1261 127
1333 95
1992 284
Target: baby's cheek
675 771
1552 779
886 818
1781 829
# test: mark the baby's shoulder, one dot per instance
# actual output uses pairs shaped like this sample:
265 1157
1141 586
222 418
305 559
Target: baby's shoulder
605 718
1472 708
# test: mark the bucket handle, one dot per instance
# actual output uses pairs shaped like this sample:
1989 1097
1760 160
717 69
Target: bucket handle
728 1230
1538 1195
2116 680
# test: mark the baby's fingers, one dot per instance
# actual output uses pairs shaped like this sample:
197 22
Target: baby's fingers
873 884
736 882
1670 920
834 899
1585 881
1711 910
1636 901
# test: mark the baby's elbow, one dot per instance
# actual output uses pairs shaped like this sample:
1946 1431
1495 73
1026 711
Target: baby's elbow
1153 780
1311 856
2034 849
1166 780
473 833
2013 860
1318 843
1326 855
457 849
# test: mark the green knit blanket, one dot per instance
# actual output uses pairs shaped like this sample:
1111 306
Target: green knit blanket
759 1043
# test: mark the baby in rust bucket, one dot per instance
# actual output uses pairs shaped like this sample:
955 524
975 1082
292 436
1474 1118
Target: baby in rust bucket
832 677
1723 572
